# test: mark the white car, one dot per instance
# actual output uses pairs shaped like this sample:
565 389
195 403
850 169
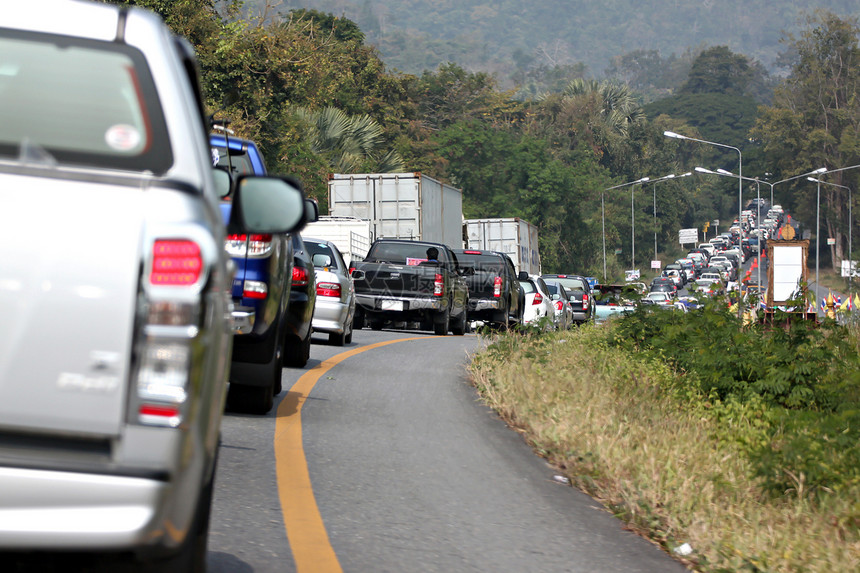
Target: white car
538 302
334 309
659 298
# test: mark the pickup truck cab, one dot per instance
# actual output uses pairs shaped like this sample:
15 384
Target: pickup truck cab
114 285
411 281
495 295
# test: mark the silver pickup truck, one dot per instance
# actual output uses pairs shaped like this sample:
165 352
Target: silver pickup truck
114 285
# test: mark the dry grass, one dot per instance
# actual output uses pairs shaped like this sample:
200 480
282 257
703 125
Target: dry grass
604 420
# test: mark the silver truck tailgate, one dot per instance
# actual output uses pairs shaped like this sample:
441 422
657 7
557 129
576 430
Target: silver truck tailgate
67 297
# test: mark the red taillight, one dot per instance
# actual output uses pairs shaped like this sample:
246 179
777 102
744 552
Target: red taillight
497 287
255 289
256 244
438 285
300 276
559 305
585 302
538 298
159 415
175 263
471 252
328 289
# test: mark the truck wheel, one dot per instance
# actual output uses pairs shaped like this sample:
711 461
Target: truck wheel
441 322
256 399
502 320
191 557
297 354
357 320
376 324
459 329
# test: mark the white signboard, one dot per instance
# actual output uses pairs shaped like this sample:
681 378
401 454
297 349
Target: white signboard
656 265
849 268
787 271
688 236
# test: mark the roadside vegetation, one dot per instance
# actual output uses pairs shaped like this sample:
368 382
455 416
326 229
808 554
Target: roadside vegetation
742 442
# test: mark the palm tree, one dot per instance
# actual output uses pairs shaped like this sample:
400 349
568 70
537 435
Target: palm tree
348 143
619 108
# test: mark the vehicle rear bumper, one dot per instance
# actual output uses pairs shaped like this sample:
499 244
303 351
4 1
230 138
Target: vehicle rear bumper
65 510
377 302
330 315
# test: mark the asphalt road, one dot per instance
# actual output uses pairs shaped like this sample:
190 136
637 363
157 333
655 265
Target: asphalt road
387 461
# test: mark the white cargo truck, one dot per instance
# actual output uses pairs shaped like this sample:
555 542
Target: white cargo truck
400 205
351 235
513 236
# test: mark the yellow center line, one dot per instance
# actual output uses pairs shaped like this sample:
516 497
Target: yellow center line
306 532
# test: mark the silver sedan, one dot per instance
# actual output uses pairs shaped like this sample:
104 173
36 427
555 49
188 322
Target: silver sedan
335 304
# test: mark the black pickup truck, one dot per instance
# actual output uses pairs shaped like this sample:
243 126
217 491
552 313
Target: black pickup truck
495 296
411 281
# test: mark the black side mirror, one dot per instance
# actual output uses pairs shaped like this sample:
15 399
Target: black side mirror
523 276
312 211
268 204
223 182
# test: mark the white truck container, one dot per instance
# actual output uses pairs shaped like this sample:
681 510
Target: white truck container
513 236
351 235
400 205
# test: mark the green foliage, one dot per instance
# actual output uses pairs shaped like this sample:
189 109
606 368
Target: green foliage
799 383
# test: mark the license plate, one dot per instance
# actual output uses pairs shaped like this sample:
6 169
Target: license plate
392 305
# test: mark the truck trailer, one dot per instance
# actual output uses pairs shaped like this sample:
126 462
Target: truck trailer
400 205
513 236
351 235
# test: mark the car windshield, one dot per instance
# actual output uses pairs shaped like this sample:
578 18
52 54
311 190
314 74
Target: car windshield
79 102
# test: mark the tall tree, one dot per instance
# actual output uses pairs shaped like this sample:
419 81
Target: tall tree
815 119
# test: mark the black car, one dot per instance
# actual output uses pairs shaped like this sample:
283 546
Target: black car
300 312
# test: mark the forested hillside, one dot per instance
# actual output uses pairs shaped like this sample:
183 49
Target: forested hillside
319 99
517 40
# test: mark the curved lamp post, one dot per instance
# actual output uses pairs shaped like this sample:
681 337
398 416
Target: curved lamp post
724 173
674 135
654 189
603 213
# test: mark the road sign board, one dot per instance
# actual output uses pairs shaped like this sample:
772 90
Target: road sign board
831 241
656 265
688 236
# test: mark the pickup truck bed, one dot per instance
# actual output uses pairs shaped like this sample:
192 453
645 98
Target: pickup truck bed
397 282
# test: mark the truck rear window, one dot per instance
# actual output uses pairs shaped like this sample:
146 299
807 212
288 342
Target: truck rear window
79 102
482 263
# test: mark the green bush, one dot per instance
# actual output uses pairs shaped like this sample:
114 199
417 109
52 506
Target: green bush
800 380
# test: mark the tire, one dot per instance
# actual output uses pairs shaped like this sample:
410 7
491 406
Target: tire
460 328
337 339
357 321
297 355
258 399
376 324
502 320
191 556
441 323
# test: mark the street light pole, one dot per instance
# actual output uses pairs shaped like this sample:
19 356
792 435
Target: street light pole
674 135
654 189
603 214
850 200
849 218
